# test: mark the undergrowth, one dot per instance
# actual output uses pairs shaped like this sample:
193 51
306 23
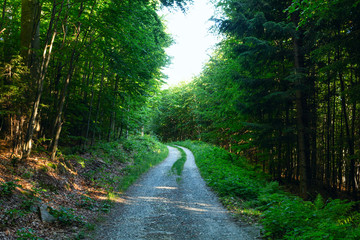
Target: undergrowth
251 195
125 162
132 157
77 189
147 152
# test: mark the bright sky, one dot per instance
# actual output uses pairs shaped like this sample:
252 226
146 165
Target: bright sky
193 40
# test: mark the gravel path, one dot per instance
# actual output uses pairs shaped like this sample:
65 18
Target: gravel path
159 207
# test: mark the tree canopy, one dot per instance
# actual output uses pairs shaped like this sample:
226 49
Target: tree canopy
282 88
81 69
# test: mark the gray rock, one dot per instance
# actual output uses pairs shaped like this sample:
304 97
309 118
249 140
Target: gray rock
45 216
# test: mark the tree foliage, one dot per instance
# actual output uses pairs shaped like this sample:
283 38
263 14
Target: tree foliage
281 88
83 70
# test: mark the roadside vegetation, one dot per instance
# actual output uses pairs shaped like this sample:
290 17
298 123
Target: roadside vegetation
250 195
178 166
76 189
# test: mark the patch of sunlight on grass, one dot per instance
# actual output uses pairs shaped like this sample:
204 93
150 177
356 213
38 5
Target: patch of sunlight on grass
249 212
112 196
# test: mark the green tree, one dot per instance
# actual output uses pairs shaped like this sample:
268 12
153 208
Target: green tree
87 69
281 88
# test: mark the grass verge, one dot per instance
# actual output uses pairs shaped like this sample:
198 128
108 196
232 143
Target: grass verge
248 192
146 153
178 166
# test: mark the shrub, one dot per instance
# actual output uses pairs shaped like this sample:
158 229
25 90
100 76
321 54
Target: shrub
294 218
27 234
7 188
86 202
29 203
106 206
10 216
65 216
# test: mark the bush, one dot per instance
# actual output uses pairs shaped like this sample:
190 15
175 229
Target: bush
86 203
26 234
7 188
110 151
28 204
65 216
293 218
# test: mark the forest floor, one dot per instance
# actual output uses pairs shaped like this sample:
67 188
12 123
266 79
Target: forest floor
77 190
165 206
27 184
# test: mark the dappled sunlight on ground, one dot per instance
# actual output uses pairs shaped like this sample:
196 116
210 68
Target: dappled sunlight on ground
169 188
192 209
55 183
189 206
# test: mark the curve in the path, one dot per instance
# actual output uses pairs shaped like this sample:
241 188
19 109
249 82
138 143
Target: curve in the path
159 207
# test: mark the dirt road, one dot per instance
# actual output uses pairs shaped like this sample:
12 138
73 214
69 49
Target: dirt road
160 207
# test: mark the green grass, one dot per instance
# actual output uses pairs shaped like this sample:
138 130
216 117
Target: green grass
250 194
178 166
147 152
138 153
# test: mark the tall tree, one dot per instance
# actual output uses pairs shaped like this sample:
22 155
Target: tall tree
88 62
50 38
292 71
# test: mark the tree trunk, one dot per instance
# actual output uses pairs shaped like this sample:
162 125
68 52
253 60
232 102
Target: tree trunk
29 36
90 105
288 151
40 83
98 102
340 145
58 120
314 134
113 114
29 41
302 121
349 140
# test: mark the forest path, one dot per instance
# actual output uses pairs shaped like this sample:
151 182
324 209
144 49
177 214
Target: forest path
160 207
